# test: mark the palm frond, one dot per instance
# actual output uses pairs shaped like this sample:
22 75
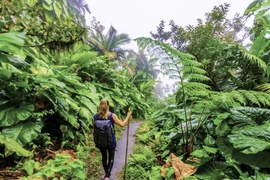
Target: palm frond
122 39
110 38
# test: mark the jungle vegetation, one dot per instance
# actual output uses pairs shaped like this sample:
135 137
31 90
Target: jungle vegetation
54 69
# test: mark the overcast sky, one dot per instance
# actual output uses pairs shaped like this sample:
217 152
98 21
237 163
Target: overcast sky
139 17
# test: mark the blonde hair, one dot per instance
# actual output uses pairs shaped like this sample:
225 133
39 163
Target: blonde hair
103 109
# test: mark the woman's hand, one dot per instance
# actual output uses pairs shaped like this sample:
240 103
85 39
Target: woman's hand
129 113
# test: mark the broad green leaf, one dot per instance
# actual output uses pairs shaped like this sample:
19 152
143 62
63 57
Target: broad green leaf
213 170
224 147
91 87
71 102
261 175
48 7
220 118
32 3
258 46
260 159
210 149
15 60
71 118
30 165
12 42
251 139
84 112
223 129
22 83
10 68
57 8
209 140
48 81
252 5
165 153
12 146
200 153
82 58
3 102
87 103
72 79
119 100
48 1
23 132
13 112
45 93
63 128
48 16
249 116
37 69
5 74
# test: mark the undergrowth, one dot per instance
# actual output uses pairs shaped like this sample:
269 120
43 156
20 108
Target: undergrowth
142 164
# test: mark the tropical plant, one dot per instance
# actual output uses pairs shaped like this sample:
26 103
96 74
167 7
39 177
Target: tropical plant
183 68
109 43
188 126
48 97
48 24
63 166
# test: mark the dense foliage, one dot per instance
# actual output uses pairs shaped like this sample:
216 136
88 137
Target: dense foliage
217 120
52 80
54 69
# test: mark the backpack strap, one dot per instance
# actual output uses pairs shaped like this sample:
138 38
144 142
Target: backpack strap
111 118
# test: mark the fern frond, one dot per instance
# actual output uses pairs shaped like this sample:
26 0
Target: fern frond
189 86
250 97
225 100
196 77
191 62
261 97
254 59
193 69
173 62
238 97
264 88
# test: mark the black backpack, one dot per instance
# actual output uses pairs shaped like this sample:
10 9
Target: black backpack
104 132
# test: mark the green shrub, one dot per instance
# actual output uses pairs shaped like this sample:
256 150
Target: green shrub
62 167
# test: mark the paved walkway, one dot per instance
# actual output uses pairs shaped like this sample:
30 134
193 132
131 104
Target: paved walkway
119 160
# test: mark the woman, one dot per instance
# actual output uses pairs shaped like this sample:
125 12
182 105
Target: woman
108 153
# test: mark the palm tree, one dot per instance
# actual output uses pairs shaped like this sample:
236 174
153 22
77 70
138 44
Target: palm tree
109 43
80 5
78 9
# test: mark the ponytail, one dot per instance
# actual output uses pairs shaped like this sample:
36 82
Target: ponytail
103 109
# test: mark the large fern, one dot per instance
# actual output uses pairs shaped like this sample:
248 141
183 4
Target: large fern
177 65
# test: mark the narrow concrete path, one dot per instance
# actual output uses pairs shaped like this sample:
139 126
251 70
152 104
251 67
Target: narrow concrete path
120 152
